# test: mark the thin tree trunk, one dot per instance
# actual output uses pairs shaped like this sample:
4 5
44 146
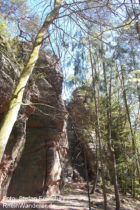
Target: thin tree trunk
137 26
85 162
97 168
135 127
109 142
111 152
134 147
87 179
16 101
98 130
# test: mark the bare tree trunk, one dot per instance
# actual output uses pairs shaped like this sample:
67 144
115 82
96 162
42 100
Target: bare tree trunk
98 130
134 147
110 149
137 26
97 168
87 179
16 101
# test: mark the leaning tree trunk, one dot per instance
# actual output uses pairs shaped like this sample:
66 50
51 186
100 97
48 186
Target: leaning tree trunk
16 101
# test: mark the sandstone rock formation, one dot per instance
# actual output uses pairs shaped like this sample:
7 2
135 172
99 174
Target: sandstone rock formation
81 134
34 157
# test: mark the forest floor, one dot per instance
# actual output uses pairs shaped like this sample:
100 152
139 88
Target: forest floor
74 197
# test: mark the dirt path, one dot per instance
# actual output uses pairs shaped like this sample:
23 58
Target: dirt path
74 197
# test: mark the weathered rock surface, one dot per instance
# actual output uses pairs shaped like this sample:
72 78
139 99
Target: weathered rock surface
44 140
81 134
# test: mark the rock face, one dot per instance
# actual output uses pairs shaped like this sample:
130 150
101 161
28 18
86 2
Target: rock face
38 143
35 157
81 134
6 84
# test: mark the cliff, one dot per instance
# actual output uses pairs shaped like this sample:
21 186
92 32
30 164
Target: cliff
81 134
35 155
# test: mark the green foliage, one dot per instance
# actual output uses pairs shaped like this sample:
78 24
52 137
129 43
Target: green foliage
3 27
120 127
